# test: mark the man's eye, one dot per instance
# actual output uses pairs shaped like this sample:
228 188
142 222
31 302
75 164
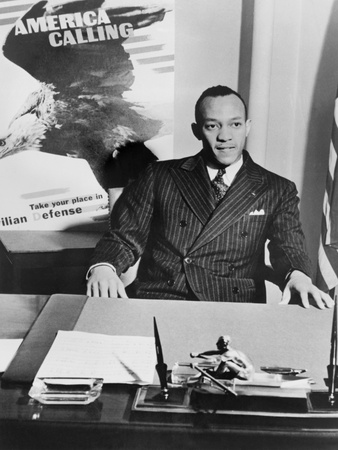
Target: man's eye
236 124
210 126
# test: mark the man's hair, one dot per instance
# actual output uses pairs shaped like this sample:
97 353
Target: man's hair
216 91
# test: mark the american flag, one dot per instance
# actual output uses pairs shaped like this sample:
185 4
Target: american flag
327 275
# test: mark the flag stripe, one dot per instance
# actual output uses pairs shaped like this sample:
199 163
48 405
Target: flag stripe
328 259
10 11
327 274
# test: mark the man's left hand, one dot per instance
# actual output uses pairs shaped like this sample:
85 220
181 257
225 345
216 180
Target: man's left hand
302 284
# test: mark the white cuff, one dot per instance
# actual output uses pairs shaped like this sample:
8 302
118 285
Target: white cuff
97 265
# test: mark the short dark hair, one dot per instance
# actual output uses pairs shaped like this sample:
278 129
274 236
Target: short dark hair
217 91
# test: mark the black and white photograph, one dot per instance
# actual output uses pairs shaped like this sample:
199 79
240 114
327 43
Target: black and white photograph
168 224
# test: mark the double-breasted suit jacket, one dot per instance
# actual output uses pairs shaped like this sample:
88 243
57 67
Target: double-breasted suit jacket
191 249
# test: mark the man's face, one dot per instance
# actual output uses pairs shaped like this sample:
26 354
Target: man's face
222 128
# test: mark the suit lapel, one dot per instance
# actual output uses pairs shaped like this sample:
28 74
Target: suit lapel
193 182
247 188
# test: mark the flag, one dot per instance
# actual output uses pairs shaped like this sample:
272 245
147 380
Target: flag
327 274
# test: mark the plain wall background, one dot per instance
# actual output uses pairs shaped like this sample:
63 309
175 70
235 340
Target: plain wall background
217 43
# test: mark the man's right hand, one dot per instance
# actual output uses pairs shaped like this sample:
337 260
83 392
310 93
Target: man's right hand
104 282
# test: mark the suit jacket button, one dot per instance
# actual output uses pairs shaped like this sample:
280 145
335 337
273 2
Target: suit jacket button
244 234
235 290
171 282
188 260
183 223
231 268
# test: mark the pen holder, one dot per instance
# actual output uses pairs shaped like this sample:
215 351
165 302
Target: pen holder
329 373
319 400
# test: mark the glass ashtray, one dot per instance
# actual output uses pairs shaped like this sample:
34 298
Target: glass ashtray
66 391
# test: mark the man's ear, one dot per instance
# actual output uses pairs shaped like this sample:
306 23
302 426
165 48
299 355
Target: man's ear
196 130
248 127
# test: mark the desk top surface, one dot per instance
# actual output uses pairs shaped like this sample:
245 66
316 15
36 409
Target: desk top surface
18 312
270 334
15 241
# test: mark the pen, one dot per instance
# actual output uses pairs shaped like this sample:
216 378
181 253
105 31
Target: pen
282 370
214 380
333 356
161 367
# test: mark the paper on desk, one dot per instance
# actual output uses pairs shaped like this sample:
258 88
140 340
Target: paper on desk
116 359
8 348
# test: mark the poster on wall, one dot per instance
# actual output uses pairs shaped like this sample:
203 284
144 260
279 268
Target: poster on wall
87 91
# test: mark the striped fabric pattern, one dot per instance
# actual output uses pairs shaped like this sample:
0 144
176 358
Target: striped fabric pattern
11 10
327 275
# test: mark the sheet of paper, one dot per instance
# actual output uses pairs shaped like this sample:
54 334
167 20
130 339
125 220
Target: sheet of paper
8 348
116 359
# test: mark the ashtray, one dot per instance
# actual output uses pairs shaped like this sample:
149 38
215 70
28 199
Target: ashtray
66 391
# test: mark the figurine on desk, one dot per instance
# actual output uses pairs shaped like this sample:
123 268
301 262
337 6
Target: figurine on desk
230 363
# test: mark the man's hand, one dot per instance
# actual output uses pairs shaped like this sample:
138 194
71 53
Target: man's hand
104 282
302 284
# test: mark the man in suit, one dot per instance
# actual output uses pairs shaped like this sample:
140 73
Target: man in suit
200 224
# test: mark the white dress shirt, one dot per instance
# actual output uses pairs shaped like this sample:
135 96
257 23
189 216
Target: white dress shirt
230 172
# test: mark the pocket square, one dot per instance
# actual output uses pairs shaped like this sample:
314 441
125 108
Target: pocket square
257 212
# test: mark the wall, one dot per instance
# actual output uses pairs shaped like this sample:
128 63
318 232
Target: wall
318 132
207 42
303 83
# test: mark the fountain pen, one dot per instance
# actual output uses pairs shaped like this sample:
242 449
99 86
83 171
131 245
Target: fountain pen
161 367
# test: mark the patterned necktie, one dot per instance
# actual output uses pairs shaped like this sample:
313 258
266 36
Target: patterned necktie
220 188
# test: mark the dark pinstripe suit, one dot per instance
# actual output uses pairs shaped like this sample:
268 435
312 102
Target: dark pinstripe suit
192 250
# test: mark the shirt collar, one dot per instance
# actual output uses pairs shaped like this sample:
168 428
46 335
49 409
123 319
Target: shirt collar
231 171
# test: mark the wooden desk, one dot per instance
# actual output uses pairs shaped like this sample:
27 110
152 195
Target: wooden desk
45 250
17 314
270 334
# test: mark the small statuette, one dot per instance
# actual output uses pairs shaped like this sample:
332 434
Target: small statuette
227 363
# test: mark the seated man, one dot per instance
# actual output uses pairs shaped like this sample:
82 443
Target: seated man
200 223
